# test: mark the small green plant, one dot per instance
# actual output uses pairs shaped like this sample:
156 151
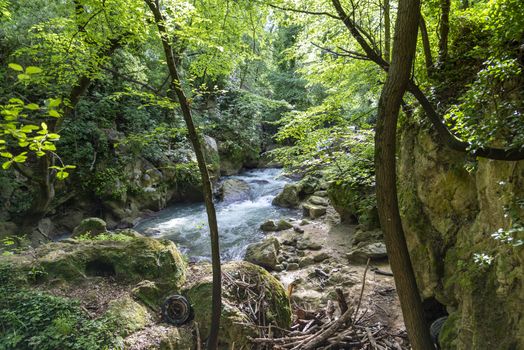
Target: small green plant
37 320
104 237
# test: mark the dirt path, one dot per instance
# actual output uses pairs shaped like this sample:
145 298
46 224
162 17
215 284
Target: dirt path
314 285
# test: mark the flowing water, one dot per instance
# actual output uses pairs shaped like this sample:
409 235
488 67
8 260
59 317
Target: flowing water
238 222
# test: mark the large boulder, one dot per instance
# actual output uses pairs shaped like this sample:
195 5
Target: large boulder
313 211
234 190
450 215
264 253
289 197
355 203
128 259
91 227
246 287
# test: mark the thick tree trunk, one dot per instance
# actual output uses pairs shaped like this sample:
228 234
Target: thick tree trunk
212 342
404 45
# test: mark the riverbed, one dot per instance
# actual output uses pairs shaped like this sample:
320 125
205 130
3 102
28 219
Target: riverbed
238 222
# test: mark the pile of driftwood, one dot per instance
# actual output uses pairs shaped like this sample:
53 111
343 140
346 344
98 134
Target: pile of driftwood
322 330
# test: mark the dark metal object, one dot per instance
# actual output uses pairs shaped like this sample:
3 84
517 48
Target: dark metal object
435 328
177 310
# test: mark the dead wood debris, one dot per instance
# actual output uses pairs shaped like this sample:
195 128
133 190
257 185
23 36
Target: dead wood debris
319 329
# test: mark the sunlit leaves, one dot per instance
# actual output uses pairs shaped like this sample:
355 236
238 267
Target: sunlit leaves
24 130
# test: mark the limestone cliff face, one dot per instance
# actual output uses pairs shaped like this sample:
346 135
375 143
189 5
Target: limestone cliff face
449 215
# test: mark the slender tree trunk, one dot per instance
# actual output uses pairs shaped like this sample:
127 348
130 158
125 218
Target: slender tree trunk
212 342
426 45
387 31
404 46
445 6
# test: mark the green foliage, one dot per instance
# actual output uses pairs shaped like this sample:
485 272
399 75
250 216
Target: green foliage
104 237
37 320
24 129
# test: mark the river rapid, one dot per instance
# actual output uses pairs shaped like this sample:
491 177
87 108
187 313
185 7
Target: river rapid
238 222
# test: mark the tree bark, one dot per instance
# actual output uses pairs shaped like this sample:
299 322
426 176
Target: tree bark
426 45
387 31
446 137
212 342
404 46
445 7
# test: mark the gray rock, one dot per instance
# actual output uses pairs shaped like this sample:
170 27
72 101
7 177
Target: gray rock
318 201
304 222
313 211
264 254
306 261
375 250
320 256
283 225
292 266
234 190
268 226
367 236
289 197
298 229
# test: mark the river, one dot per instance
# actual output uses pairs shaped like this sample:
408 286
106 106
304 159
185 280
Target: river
238 222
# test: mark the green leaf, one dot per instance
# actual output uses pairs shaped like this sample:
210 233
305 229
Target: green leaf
44 126
62 175
6 165
16 101
33 70
55 102
32 106
20 158
54 113
16 67
24 77
6 155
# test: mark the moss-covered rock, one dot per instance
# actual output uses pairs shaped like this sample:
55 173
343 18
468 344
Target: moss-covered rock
236 325
355 203
449 213
289 197
128 314
264 253
130 260
91 227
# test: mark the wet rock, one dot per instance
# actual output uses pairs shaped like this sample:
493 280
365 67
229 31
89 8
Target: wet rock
283 225
268 226
289 197
90 226
234 190
313 211
375 250
264 253
304 222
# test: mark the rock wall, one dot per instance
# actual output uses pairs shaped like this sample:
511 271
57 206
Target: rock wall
451 207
